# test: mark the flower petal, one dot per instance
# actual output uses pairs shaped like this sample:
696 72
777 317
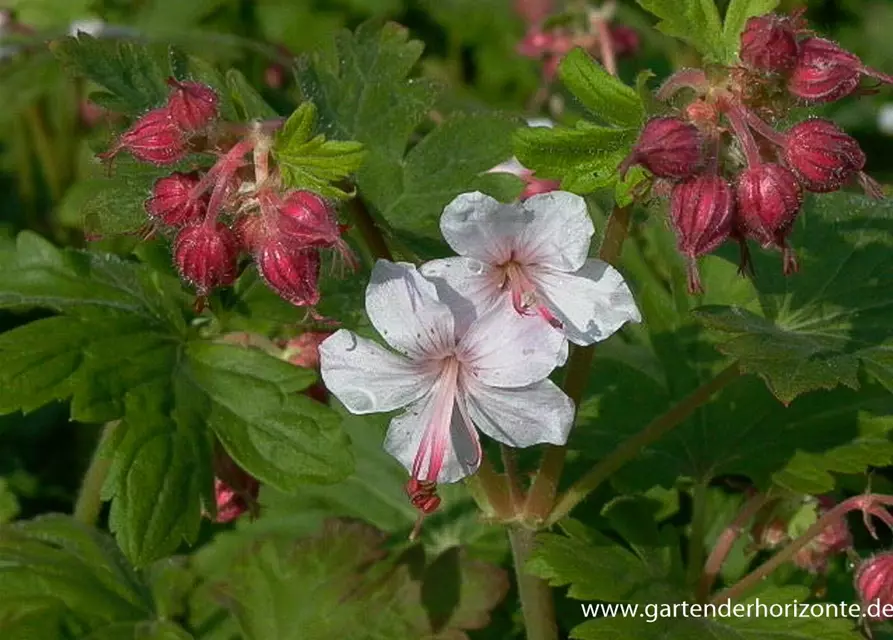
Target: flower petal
406 311
463 450
367 378
521 417
558 231
467 286
478 226
505 349
591 303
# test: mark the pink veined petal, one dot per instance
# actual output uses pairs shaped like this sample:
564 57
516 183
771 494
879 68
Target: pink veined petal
367 378
478 226
522 417
557 233
404 308
591 304
433 440
505 349
468 286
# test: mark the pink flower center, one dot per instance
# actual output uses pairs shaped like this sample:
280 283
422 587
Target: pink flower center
524 293
432 449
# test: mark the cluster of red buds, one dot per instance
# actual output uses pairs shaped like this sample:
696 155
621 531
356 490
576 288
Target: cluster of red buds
549 41
730 173
237 206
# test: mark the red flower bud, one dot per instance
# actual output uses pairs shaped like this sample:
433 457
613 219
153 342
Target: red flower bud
874 583
769 198
154 138
171 204
625 39
536 43
825 72
701 210
821 155
206 256
293 273
668 148
235 490
768 44
192 105
308 219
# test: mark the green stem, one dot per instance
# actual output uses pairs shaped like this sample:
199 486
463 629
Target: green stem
369 231
541 497
89 501
830 517
537 605
43 146
633 446
513 479
696 533
490 492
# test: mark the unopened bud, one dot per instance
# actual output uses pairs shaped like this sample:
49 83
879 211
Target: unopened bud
768 44
668 148
874 584
701 210
822 156
293 273
825 72
192 105
769 198
154 138
171 203
206 256
625 39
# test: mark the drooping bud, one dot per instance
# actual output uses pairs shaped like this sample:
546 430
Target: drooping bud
769 198
825 72
874 584
307 220
154 138
821 155
668 148
206 256
171 203
192 105
701 211
293 273
768 44
235 490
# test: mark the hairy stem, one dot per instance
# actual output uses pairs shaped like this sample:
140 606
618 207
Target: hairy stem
606 46
864 503
541 497
537 605
369 231
89 501
633 446
726 541
513 478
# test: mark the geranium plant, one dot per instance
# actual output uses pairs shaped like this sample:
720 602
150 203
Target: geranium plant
330 335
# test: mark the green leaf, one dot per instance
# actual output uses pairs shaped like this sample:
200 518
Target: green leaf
737 15
135 74
248 102
814 330
309 161
280 437
584 158
602 94
9 503
694 21
341 583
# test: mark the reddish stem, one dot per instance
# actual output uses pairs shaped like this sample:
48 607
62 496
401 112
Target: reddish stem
736 117
685 79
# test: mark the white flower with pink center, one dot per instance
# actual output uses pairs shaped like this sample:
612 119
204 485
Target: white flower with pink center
535 253
452 374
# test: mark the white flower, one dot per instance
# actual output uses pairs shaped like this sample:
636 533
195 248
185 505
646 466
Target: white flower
91 26
534 252
452 375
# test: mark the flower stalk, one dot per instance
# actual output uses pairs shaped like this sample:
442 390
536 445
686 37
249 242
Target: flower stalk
89 500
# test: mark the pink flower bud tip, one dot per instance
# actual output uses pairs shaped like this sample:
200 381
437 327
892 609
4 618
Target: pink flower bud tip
701 210
769 44
232 503
206 256
292 272
821 155
154 138
825 72
668 148
874 584
192 105
769 198
171 203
